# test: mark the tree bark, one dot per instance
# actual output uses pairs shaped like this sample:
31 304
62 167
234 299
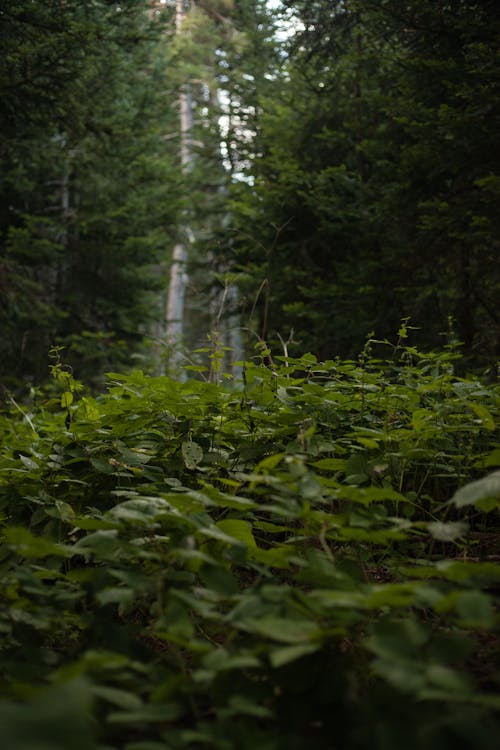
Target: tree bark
174 324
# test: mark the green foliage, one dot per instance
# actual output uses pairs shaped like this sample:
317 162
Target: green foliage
310 555
87 191
375 177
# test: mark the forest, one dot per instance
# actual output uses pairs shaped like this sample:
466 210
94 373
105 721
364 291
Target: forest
249 374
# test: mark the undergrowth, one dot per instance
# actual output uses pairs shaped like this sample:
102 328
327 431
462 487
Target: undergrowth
308 559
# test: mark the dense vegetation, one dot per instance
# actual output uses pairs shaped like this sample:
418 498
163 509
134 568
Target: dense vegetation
309 560
357 152
378 169
86 189
294 550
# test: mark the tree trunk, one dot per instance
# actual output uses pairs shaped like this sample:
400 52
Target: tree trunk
174 327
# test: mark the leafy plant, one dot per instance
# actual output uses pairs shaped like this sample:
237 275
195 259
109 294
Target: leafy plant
307 557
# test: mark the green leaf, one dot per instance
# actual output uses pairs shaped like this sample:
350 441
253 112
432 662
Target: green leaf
192 453
475 610
150 714
239 705
120 698
66 399
31 546
115 595
269 463
466 570
101 543
493 458
240 530
102 465
484 415
281 656
330 464
392 595
88 409
29 463
221 660
482 489
282 629
448 532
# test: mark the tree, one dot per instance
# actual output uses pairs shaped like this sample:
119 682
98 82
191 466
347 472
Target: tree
88 191
376 175
216 61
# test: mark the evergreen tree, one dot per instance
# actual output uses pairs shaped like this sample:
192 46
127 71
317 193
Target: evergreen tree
88 190
377 177
218 57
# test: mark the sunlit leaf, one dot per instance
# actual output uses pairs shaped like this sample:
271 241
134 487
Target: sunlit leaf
447 531
66 399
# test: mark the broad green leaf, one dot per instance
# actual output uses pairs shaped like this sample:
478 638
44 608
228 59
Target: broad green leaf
341 599
134 457
88 409
140 509
214 532
329 464
66 399
102 465
90 524
368 442
47 717
493 458
482 489
448 531
115 595
120 698
28 545
421 419
29 463
100 543
281 656
225 500
282 630
269 463
375 536
239 530
64 511
148 714
221 660
279 556
475 610
484 415
467 570
392 595
406 675
192 453
239 705
368 495
391 641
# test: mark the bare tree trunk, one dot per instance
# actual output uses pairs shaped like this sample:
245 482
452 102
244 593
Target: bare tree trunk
231 332
174 324
175 306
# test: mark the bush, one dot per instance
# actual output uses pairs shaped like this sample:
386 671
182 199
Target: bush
306 560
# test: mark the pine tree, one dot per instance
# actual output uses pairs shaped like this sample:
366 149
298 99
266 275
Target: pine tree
217 115
87 191
376 178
